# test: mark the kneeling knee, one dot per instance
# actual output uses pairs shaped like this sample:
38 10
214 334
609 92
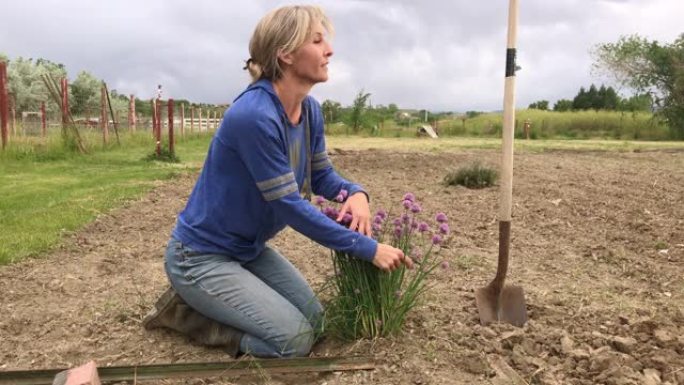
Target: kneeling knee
298 344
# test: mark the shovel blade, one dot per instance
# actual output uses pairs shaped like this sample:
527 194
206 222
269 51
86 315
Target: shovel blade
505 306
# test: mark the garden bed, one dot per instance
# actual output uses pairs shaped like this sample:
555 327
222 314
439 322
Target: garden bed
597 244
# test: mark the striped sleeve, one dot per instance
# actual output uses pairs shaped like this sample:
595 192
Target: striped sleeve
278 187
320 161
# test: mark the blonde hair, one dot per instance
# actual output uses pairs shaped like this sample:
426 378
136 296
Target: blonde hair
282 30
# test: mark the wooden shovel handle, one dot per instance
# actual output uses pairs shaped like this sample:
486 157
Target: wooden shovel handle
508 116
507 152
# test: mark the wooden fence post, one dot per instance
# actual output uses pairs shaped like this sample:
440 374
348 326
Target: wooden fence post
154 121
87 118
182 120
200 119
4 110
131 114
65 105
157 112
171 144
104 120
13 115
157 126
43 120
192 119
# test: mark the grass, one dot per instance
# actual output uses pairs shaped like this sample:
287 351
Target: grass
588 124
47 192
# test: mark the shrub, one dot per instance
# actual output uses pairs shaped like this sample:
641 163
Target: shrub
472 176
367 302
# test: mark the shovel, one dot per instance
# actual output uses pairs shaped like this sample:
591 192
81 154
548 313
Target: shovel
497 302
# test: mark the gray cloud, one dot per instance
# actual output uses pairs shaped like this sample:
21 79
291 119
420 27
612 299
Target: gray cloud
429 54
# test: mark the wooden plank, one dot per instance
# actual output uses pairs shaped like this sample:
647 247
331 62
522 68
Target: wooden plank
200 369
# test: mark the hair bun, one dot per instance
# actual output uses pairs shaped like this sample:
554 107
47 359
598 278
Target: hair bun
255 69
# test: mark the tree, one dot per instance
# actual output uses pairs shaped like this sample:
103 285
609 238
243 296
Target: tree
331 110
563 105
358 109
26 85
639 102
581 100
609 99
540 105
649 67
86 90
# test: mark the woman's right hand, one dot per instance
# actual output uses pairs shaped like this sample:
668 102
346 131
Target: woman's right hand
388 258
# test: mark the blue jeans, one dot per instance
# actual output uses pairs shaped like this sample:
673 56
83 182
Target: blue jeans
267 298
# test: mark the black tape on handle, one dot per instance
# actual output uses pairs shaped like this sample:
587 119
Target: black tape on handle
510 62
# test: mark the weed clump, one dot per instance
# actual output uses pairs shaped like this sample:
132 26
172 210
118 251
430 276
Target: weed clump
164 156
473 176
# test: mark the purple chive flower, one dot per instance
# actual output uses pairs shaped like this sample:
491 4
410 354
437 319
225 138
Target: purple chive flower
339 198
407 204
382 214
344 194
405 219
398 232
436 239
320 200
441 217
376 227
397 222
416 254
409 197
444 265
415 208
378 219
444 228
414 225
347 219
329 212
423 227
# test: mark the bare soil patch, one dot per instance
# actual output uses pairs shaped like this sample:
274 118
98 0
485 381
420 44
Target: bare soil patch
598 245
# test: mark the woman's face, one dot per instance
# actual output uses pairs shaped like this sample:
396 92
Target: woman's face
310 61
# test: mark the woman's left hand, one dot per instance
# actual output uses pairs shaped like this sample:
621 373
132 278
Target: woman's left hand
357 206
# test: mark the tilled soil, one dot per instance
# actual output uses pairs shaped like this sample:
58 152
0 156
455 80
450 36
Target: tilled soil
597 244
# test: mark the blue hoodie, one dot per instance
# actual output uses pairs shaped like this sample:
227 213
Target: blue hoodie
251 183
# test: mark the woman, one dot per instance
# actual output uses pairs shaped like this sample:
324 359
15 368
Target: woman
268 150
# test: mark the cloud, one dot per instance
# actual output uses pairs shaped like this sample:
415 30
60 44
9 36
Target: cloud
429 54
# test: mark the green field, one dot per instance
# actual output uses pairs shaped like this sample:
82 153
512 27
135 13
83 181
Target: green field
47 193
586 124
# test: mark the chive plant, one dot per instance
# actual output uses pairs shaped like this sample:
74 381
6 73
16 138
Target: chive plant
367 302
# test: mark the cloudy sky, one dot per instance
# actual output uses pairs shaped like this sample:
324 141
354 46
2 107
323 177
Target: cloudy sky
436 54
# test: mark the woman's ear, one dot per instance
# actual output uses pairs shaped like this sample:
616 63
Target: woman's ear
286 58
